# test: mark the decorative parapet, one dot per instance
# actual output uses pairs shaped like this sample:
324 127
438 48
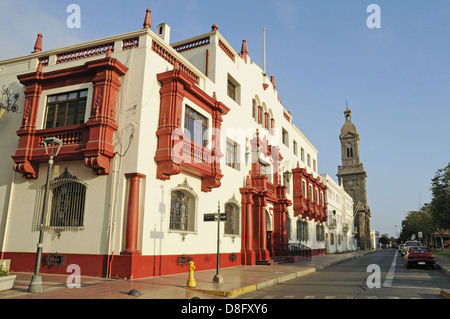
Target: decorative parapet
227 50
192 44
169 57
129 44
84 53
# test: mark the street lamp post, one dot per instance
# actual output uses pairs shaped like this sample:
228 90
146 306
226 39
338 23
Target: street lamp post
218 279
52 147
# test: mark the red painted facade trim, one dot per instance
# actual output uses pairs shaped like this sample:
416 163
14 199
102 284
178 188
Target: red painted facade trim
256 195
91 141
122 266
175 153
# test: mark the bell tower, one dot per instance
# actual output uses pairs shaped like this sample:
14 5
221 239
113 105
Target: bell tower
352 176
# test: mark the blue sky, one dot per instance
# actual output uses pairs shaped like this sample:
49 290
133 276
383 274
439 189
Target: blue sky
396 78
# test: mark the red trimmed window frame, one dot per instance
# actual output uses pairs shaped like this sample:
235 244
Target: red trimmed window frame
92 141
175 153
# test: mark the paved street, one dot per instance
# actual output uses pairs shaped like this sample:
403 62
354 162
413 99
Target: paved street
349 280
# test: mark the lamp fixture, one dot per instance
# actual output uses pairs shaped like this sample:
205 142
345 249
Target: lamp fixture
52 146
287 176
8 102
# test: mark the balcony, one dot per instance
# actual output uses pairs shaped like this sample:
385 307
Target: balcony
175 153
332 224
91 141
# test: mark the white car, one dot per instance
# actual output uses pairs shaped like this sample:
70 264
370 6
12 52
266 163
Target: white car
411 243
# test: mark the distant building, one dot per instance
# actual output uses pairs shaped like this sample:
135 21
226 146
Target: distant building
340 224
352 176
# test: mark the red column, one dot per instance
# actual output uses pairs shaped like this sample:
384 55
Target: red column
259 240
132 226
247 253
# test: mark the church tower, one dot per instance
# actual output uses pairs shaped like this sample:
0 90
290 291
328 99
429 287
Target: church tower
352 177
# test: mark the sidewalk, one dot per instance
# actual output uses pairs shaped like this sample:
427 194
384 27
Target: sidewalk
443 263
237 280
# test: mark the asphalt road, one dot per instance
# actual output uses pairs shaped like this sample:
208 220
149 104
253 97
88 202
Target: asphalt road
379 275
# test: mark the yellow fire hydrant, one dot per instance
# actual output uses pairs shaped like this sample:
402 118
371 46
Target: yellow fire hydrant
191 281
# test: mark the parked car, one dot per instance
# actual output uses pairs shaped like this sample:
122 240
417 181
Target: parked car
419 256
411 243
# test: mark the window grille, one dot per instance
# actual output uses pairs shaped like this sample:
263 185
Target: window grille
66 204
232 222
179 211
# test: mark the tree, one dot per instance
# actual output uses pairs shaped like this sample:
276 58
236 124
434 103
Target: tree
384 239
440 203
418 221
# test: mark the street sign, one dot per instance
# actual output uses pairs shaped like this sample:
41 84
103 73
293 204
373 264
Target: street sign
213 217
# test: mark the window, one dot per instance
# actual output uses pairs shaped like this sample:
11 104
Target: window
66 109
320 232
311 196
265 170
302 154
232 222
260 112
197 125
182 211
232 156
309 160
304 188
295 147
314 165
66 204
233 89
285 137
254 110
287 183
302 230
349 150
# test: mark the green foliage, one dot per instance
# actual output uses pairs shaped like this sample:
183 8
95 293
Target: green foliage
440 203
435 216
3 272
417 221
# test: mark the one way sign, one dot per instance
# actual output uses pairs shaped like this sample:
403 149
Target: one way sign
213 217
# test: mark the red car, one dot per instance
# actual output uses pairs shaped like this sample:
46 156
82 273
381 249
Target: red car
419 256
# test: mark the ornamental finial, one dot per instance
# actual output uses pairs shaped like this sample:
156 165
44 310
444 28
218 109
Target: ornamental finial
148 19
38 44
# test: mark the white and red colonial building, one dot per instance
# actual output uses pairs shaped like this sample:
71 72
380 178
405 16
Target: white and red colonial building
156 136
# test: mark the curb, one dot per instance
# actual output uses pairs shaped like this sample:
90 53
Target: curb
445 294
272 282
443 268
